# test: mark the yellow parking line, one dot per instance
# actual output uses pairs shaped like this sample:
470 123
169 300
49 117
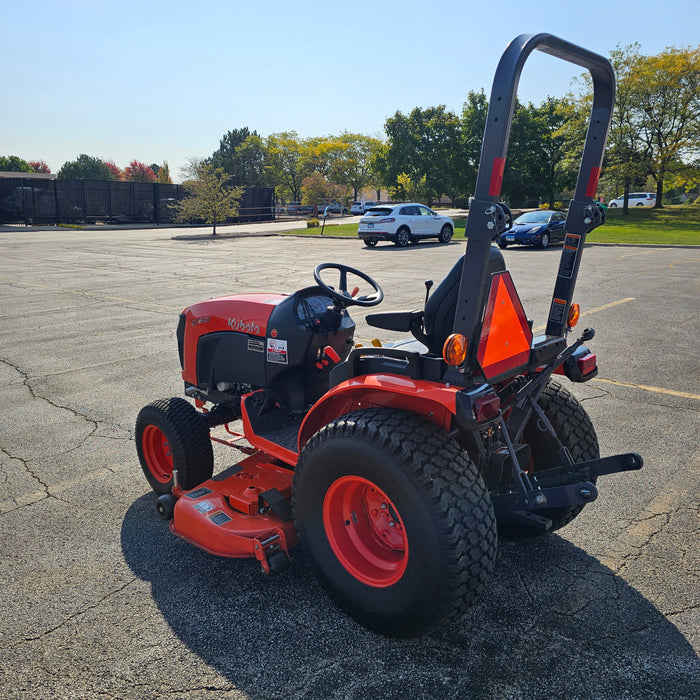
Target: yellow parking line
644 252
654 389
539 329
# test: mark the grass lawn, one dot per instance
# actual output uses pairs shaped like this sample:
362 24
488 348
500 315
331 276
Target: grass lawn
672 225
677 224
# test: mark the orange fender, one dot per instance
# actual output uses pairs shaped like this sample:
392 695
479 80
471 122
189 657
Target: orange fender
435 401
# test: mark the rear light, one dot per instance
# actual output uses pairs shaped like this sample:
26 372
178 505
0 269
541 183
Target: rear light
486 407
574 315
587 363
454 351
387 221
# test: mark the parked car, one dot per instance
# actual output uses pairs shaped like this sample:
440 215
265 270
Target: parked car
361 207
537 228
636 199
403 224
297 208
332 207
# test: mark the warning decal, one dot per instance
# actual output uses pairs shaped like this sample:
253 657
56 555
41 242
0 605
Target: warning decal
277 351
556 312
568 256
256 345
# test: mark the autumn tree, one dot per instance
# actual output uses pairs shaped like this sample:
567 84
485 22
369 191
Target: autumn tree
116 171
139 172
210 196
163 176
39 166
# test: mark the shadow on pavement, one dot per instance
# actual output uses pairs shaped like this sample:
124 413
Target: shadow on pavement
553 623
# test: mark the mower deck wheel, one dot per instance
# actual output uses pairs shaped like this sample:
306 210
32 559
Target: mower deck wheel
172 435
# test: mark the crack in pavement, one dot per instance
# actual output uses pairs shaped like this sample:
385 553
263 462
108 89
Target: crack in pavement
68 619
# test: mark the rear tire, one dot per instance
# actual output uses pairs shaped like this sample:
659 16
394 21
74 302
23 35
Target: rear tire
395 519
576 432
171 434
445 234
403 237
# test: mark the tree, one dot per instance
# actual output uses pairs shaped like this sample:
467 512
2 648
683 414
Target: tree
354 167
85 167
667 103
14 164
117 174
209 195
240 154
39 166
424 144
164 174
138 172
471 136
286 164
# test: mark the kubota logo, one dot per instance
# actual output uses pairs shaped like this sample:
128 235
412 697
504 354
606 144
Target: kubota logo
244 326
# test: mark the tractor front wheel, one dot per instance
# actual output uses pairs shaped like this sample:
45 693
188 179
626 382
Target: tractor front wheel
395 519
172 435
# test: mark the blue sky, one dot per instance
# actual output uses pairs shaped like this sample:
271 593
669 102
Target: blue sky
157 80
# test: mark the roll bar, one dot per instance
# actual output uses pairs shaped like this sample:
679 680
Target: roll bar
487 219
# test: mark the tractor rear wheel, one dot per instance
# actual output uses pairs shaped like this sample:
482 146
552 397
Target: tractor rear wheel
395 519
171 434
576 432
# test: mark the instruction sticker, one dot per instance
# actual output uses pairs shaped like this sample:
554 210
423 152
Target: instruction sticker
204 506
277 351
569 255
256 345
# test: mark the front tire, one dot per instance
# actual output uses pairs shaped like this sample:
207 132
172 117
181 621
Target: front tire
445 234
395 519
403 237
172 435
544 241
576 432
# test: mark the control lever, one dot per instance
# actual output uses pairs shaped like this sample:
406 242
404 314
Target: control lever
428 285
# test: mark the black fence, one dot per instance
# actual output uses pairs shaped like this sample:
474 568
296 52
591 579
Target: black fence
48 202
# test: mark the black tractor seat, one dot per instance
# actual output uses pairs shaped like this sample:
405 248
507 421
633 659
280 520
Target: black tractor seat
434 324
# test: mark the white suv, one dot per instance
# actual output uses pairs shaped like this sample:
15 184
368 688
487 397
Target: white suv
403 224
636 199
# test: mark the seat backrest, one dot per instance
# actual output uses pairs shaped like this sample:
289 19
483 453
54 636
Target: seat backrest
442 303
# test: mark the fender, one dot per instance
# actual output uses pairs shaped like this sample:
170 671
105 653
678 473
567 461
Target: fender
435 401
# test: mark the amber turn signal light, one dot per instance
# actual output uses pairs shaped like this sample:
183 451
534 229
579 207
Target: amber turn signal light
454 351
574 315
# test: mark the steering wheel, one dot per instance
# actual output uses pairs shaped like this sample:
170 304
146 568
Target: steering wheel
342 296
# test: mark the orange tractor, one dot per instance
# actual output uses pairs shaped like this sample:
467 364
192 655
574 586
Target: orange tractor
395 467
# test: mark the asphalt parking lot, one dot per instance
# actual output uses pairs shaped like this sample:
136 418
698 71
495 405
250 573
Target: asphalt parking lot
98 599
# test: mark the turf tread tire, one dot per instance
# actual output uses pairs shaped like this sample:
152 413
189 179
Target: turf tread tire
575 429
454 494
188 438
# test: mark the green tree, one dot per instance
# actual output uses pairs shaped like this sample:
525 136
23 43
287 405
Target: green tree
667 102
85 167
286 164
14 164
210 196
423 144
240 155
472 125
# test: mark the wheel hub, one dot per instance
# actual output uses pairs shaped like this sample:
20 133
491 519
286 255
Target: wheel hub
365 531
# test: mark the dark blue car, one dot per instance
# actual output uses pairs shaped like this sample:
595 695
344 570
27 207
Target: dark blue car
538 228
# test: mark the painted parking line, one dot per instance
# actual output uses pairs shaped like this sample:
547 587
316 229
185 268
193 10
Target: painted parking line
653 389
612 304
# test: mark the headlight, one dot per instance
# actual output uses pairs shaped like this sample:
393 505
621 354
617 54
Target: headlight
535 229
